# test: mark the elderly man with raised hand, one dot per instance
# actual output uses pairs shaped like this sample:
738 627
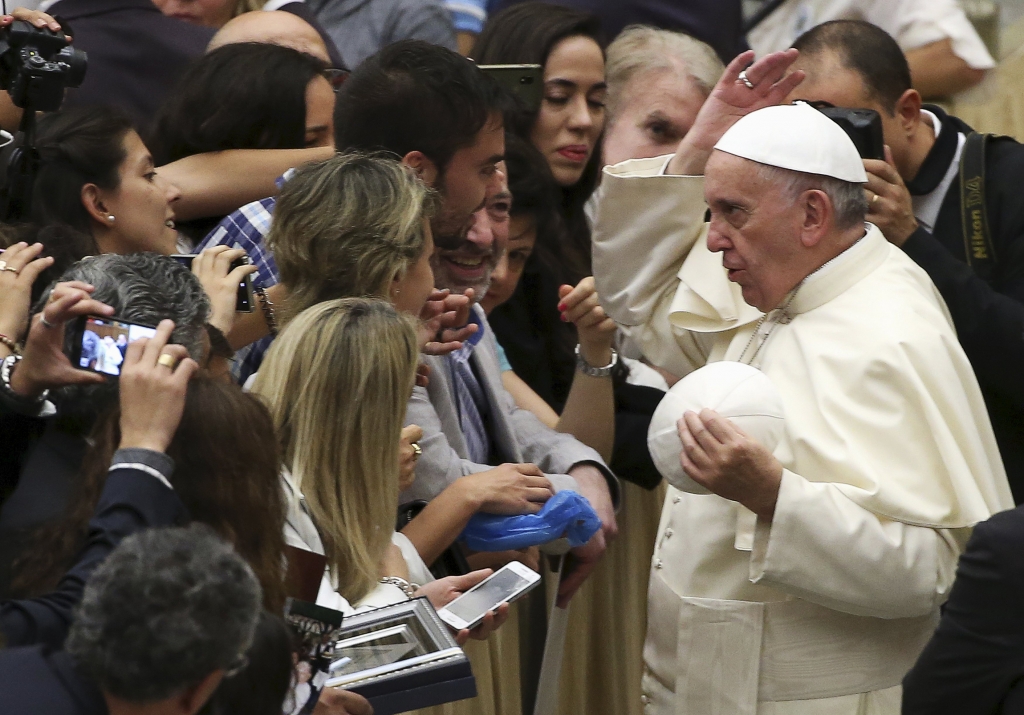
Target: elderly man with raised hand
811 577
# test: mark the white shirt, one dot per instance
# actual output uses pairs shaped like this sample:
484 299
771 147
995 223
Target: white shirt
927 207
912 23
301 532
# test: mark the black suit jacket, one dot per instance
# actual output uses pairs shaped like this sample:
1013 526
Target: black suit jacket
975 661
136 54
988 316
36 679
131 501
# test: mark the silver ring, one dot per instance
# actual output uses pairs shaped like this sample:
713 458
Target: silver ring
3 265
44 322
8 268
744 80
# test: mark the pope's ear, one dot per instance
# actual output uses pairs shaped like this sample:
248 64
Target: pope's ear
819 215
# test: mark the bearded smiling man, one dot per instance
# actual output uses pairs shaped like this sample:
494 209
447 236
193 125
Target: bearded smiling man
471 424
810 577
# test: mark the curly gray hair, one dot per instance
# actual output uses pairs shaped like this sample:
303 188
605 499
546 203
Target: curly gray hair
167 608
142 288
147 288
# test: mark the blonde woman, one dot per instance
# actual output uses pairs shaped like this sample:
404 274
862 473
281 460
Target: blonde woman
358 225
336 382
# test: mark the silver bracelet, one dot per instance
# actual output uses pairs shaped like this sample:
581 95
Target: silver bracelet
409 589
6 369
587 369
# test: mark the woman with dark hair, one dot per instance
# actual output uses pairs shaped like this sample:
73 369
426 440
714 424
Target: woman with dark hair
97 191
246 95
567 126
225 473
97 176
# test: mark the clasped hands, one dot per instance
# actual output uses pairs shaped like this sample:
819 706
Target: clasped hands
721 458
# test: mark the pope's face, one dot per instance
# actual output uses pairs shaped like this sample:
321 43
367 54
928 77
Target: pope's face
756 228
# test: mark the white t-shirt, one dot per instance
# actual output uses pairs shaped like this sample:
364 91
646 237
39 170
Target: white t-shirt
300 532
913 23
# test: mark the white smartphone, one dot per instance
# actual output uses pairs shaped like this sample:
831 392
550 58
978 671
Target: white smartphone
503 586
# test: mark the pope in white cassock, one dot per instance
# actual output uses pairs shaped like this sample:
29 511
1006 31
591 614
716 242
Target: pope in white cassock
810 578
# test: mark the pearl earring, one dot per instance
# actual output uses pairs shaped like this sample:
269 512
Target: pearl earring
110 218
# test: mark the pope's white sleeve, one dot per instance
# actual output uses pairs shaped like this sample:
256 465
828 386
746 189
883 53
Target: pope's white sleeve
822 547
645 224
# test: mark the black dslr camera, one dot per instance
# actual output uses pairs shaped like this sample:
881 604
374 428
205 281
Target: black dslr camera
863 126
36 65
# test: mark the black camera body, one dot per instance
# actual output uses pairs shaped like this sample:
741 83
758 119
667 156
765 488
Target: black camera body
36 65
863 126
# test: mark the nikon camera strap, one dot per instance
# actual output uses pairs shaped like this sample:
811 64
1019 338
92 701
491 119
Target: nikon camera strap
978 249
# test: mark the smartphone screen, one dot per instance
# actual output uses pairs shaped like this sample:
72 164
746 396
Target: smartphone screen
475 603
243 304
104 341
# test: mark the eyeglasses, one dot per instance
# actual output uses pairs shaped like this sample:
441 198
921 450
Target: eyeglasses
336 77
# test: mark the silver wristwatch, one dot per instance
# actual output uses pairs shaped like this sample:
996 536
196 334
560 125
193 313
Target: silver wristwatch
589 370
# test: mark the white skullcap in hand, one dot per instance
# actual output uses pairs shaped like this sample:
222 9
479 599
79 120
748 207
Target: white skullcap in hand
796 137
738 392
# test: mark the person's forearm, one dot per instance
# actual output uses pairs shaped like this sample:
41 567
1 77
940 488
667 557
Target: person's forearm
441 522
937 71
217 183
589 413
526 399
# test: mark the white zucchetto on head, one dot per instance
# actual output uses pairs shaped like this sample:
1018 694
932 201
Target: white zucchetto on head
796 137
736 391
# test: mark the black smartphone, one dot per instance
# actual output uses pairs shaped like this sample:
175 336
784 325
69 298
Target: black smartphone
524 81
100 344
244 302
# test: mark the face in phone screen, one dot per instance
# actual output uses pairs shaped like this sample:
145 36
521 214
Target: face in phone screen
104 343
477 602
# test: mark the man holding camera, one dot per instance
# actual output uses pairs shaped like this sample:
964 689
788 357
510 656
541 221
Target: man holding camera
810 577
950 199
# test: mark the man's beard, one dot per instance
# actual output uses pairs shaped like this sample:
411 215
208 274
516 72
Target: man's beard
446 276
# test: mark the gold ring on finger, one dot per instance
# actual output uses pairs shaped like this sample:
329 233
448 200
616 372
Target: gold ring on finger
874 198
167 360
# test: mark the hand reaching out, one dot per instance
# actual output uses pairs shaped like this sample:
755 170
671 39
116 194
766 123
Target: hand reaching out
21 267
153 389
582 306
445 590
508 489
45 365
732 99
445 322
408 455
213 269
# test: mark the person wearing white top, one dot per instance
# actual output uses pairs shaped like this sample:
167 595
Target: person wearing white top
946 54
810 578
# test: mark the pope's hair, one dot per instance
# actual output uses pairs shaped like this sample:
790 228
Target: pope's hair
849 203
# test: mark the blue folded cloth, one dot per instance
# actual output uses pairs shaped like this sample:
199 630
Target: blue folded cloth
566 514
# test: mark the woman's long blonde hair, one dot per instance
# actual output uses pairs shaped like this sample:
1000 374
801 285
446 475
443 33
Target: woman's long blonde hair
337 380
347 226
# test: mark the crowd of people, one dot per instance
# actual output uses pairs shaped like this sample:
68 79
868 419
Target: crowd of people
460 300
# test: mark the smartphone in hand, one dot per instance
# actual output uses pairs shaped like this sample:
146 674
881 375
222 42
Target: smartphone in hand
99 344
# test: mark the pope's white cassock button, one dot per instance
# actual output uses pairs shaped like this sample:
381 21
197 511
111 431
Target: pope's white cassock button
738 392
